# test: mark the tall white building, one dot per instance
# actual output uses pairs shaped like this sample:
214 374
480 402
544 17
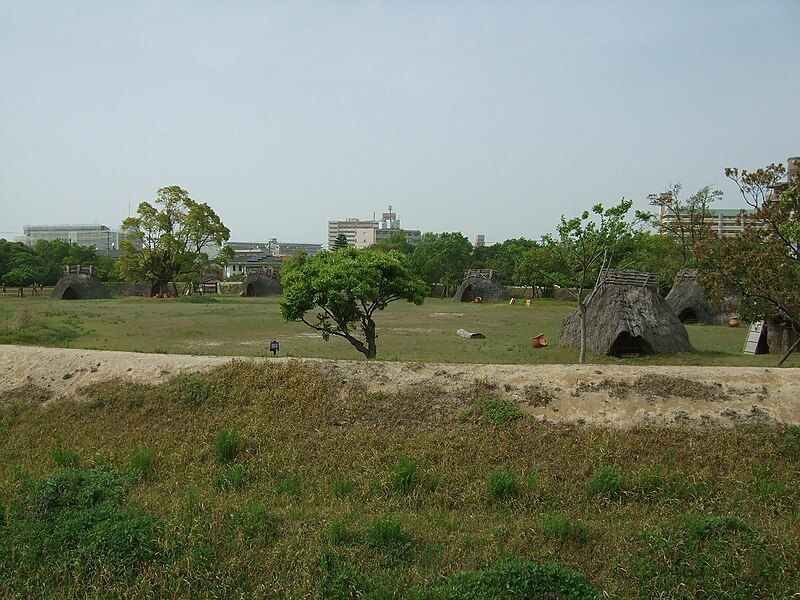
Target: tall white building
362 234
348 227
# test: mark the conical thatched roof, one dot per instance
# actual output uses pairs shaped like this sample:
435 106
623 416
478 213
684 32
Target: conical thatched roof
261 284
625 315
689 302
76 286
479 287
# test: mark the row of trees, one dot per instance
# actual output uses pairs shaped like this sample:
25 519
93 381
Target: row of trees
23 266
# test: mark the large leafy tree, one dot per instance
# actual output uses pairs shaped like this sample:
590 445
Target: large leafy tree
690 219
759 270
505 258
338 293
581 248
442 257
397 242
166 241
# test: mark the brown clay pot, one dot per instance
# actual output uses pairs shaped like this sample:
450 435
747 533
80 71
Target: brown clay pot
538 341
733 322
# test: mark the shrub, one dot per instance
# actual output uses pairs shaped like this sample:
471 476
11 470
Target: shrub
562 528
142 464
606 483
74 525
226 445
342 485
64 457
405 476
496 411
502 484
514 578
387 532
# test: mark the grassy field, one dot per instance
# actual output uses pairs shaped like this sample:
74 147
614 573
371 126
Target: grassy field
267 482
244 326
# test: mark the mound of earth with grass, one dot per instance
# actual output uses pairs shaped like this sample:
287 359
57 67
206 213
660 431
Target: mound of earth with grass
618 396
288 480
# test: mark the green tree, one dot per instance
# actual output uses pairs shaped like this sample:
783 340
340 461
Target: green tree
581 248
169 240
396 242
347 287
759 270
690 219
442 258
340 242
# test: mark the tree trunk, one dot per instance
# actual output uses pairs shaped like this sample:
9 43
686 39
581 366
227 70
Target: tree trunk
582 315
370 334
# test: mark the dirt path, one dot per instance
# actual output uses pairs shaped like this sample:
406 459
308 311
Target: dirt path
619 396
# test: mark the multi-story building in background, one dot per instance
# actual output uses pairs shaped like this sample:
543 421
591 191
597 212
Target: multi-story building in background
365 233
100 237
725 222
348 228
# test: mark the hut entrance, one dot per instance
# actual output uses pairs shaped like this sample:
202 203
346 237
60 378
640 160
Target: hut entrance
688 315
249 291
629 345
69 294
469 294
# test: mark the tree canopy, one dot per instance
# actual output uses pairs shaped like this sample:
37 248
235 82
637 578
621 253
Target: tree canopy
442 257
169 240
346 288
21 265
758 271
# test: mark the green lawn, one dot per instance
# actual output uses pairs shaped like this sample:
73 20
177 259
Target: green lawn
244 326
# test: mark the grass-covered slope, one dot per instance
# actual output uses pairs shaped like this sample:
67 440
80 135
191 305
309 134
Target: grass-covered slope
261 481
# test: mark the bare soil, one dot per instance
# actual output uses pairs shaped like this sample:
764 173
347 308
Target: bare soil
607 395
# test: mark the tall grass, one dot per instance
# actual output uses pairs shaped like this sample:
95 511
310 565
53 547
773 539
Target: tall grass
226 445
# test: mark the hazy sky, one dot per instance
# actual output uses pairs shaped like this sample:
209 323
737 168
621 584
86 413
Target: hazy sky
485 117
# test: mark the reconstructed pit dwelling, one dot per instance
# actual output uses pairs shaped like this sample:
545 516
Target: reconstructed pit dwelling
80 283
261 282
625 316
483 284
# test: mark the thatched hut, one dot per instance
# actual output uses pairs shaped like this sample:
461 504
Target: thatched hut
483 284
261 283
80 283
626 316
689 302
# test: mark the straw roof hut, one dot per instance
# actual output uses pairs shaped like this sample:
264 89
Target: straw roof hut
481 283
626 316
689 302
261 283
80 283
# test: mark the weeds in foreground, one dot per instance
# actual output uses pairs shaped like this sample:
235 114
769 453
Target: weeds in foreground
493 410
226 446
502 484
387 533
64 457
606 483
405 476
342 485
562 528
142 464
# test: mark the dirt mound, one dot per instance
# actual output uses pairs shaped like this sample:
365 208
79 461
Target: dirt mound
432 394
